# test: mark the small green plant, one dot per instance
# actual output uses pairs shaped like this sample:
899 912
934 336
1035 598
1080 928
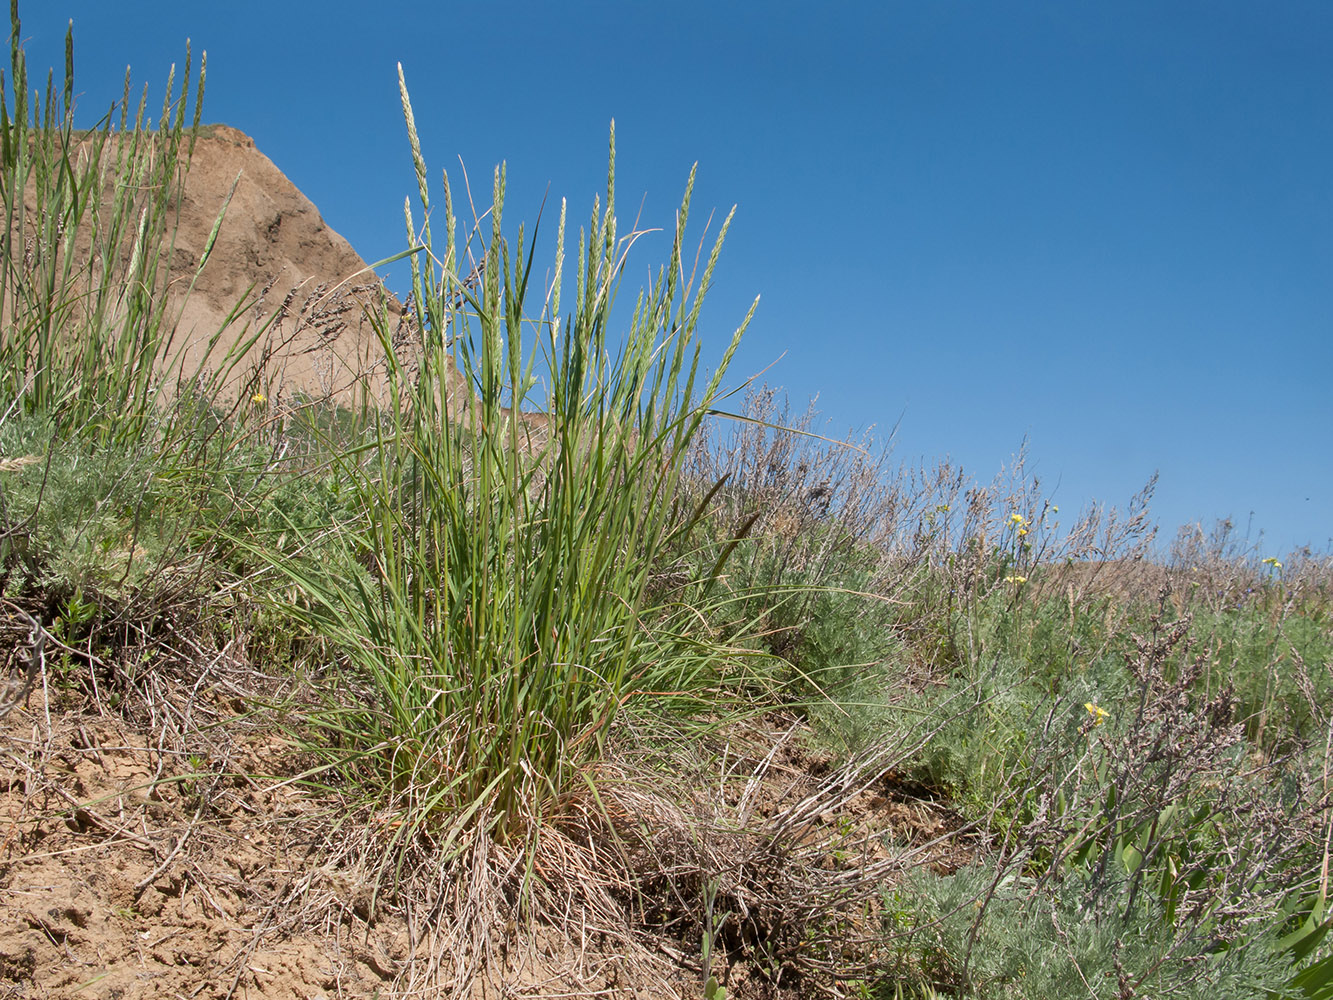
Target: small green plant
713 924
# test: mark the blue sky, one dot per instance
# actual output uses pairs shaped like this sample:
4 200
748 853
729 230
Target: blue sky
1105 228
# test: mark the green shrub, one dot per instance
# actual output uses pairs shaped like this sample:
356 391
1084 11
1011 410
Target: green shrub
988 934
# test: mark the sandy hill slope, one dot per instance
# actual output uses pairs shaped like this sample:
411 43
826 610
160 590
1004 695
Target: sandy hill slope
277 256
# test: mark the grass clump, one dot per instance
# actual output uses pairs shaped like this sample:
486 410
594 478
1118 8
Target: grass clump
111 446
88 249
491 603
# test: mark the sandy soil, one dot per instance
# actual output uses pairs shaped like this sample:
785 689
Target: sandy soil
117 885
140 861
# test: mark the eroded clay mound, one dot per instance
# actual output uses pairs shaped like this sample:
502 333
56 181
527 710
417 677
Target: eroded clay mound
297 279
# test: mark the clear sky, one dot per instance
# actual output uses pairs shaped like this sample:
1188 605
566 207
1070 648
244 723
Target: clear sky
1103 227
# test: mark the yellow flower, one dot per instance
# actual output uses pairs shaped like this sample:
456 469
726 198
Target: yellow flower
1272 561
258 398
1015 579
1022 532
1016 518
1099 714
1055 510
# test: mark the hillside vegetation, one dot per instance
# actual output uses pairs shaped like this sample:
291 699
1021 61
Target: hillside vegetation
380 686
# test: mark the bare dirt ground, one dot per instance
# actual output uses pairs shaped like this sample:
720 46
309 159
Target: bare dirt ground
161 850
126 875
